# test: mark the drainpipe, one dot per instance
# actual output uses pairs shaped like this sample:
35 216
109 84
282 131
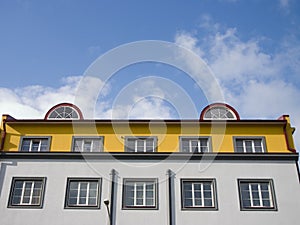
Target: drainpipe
113 197
171 189
3 134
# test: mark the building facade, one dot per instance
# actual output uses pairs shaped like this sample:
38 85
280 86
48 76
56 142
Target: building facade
218 169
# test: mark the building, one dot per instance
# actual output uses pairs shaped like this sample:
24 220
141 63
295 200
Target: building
218 169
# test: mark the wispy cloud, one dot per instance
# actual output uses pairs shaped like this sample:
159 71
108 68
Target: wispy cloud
258 83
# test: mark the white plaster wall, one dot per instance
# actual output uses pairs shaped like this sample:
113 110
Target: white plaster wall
226 173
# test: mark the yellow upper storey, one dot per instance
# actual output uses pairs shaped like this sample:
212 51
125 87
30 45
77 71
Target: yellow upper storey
222 136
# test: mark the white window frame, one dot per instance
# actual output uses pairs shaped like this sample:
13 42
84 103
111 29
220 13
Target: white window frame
80 182
191 139
33 139
252 140
32 181
201 206
138 139
140 182
250 183
88 138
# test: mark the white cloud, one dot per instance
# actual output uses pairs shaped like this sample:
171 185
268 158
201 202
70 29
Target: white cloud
144 99
259 84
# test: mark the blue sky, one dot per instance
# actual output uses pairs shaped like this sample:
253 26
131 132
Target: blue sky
251 46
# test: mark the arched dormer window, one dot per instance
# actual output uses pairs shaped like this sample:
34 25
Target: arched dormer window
64 111
219 111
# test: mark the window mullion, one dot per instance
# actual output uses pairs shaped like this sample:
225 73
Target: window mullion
253 146
31 192
212 194
250 193
30 146
78 193
92 145
260 195
270 195
144 194
262 146
87 193
134 195
135 145
39 148
82 145
23 190
202 194
193 195
244 146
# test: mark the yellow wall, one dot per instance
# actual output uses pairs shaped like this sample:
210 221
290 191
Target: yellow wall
168 134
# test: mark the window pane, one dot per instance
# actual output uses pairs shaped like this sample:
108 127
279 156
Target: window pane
93 185
188 202
44 145
35 201
35 145
149 145
72 201
207 194
194 145
16 200
266 203
25 145
208 202
150 202
78 145
73 193
92 201
130 145
74 185
87 146
140 145
246 203
198 202
96 146
185 145
248 146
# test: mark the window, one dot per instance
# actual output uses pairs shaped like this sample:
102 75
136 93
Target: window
27 192
35 144
198 194
140 144
64 111
82 193
194 144
219 111
250 144
140 193
257 195
87 144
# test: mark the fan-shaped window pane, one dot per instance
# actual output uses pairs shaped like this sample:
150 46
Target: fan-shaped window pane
219 113
64 112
